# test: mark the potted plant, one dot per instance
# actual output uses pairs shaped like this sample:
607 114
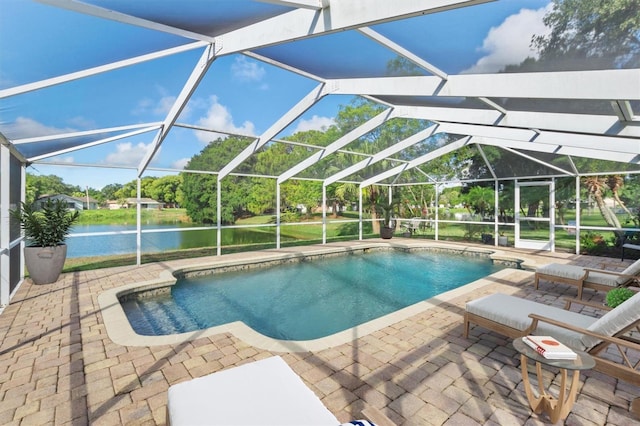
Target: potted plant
503 240
388 225
45 231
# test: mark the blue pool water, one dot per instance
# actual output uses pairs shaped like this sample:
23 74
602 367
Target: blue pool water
306 300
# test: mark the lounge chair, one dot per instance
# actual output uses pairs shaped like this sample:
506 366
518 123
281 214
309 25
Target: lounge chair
596 279
265 392
515 317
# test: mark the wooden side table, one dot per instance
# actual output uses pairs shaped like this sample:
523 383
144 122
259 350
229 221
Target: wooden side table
557 408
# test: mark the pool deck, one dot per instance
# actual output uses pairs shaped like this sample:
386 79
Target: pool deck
58 364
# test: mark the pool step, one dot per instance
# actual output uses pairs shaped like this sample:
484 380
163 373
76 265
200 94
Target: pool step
137 318
159 316
165 317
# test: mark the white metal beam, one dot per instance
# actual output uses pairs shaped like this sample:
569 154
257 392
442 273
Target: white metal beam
590 85
29 87
379 38
303 4
12 149
623 110
605 144
561 122
113 15
385 153
93 143
417 161
341 15
486 161
339 143
283 66
536 160
205 61
304 104
596 154
5 240
59 136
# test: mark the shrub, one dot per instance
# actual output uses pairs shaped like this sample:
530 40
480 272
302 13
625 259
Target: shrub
593 243
618 295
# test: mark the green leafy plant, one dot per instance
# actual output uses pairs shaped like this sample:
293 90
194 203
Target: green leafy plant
47 227
618 295
592 243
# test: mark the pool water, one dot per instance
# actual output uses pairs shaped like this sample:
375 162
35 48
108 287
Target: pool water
306 300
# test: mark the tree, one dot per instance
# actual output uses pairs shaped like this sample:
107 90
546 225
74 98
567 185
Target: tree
166 189
480 200
200 190
450 197
39 185
305 192
615 183
109 191
596 186
604 32
262 196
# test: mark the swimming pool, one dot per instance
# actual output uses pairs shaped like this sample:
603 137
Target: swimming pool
308 299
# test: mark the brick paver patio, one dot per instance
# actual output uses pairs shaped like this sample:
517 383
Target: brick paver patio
58 366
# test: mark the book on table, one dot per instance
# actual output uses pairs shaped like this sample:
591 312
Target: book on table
549 347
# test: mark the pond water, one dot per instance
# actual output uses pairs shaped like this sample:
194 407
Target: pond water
105 245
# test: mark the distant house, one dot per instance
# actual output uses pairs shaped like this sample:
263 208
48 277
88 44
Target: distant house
116 204
73 203
145 203
130 203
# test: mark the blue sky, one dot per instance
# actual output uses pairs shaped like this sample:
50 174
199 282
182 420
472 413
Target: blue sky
239 94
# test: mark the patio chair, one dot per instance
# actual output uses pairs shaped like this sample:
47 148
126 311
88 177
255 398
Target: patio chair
596 279
265 392
616 329
413 226
628 242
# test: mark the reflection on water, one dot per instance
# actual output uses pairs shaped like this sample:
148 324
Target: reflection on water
105 245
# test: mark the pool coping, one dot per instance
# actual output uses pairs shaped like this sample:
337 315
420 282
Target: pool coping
121 332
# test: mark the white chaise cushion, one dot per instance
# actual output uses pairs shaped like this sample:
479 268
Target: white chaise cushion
265 392
514 312
564 271
633 270
575 272
615 320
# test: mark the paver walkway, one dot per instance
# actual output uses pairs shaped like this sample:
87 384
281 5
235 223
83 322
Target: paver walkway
58 366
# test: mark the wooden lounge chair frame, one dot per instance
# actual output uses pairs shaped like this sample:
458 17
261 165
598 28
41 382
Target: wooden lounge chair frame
583 281
625 370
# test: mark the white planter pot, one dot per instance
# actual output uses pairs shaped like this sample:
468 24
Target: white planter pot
45 263
503 240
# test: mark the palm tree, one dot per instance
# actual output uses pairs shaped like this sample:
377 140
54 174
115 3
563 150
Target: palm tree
615 183
596 186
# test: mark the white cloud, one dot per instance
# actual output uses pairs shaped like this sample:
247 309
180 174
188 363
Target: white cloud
181 163
67 159
245 70
82 123
163 106
509 43
158 107
128 154
218 117
24 127
314 123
